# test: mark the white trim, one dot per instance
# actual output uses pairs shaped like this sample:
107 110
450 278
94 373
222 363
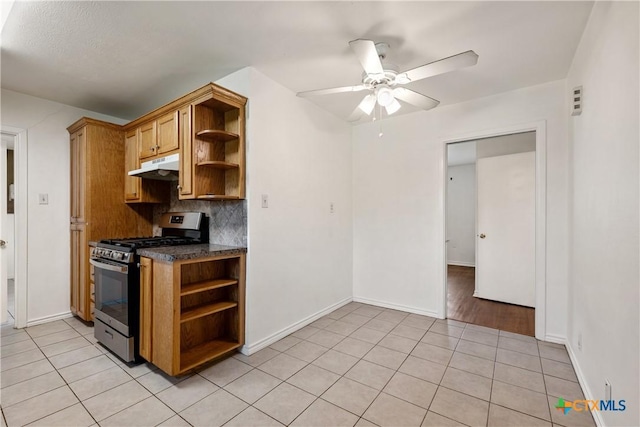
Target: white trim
399 307
540 127
21 223
48 319
556 339
461 263
588 395
249 349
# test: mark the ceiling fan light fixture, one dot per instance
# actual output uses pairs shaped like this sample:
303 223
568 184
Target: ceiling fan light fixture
367 104
384 95
393 107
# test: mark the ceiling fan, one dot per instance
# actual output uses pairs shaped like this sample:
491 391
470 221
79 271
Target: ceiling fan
384 81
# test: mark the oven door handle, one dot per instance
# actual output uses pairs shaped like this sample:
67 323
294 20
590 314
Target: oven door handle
110 267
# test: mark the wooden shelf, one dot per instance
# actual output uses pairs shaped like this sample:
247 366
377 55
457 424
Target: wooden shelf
213 135
208 351
217 197
205 310
206 285
218 165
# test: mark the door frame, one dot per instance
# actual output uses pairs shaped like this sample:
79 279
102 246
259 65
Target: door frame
20 214
540 128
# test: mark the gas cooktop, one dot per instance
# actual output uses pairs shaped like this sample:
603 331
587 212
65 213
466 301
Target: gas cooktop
149 242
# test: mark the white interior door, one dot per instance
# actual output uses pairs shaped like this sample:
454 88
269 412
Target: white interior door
4 252
505 261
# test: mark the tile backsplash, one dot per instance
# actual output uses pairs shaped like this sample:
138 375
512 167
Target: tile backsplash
227 218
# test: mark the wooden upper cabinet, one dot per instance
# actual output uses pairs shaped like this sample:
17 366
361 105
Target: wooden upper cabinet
148 140
167 133
132 184
137 190
207 129
78 172
185 179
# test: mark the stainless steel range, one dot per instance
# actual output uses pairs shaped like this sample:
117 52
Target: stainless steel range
117 279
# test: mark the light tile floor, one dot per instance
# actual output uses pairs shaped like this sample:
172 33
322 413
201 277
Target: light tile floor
360 365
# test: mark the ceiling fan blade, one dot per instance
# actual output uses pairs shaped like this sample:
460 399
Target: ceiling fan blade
305 94
365 107
367 54
415 98
461 60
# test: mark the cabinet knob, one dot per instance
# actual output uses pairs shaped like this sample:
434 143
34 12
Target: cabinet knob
179 187
153 148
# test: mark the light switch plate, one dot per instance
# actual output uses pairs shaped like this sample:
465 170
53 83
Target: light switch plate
43 199
265 200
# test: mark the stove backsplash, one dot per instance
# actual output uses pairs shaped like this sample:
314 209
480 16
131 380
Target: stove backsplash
227 218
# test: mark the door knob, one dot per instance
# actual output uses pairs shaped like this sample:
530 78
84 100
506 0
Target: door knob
482 235
3 243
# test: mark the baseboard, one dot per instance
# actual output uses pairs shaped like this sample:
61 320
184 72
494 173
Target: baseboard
48 319
461 263
556 339
397 307
249 349
588 395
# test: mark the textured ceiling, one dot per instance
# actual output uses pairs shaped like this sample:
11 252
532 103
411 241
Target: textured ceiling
127 58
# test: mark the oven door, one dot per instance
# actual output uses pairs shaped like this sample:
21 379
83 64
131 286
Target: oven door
112 294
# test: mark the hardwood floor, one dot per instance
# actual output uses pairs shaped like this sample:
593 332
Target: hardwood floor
463 306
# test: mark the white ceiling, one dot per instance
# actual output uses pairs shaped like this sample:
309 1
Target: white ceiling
127 58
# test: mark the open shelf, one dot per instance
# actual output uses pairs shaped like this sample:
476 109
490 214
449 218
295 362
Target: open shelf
206 285
217 197
218 164
213 135
204 352
205 310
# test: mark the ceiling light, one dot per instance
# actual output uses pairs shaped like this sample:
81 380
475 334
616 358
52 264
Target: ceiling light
392 107
367 104
384 95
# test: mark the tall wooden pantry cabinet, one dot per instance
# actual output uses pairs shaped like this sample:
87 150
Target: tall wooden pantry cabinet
98 210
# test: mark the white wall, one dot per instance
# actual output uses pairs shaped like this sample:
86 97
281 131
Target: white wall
48 243
461 215
398 197
603 303
300 255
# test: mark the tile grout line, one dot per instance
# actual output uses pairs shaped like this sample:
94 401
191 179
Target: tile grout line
66 384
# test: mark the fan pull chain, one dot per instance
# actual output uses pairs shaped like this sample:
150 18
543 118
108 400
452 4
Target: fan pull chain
380 134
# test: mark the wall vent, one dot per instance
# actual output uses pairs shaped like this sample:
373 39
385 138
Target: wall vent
576 97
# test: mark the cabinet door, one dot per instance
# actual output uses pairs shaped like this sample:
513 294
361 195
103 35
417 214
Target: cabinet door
167 133
79 269
185 178
148 140
78 175
132 184
146 307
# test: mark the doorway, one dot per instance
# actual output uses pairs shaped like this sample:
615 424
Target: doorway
7 242
13 230
483 283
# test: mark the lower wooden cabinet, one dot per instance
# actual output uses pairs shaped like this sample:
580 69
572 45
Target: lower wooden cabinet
146 307
192 311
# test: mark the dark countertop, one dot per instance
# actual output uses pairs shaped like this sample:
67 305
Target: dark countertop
178 253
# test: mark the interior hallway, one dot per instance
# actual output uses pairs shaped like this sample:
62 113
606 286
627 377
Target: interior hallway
463 306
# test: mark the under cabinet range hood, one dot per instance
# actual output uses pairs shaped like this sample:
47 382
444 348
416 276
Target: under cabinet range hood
163 168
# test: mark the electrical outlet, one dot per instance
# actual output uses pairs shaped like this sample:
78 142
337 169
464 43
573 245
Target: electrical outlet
332 207
265 200
607 389
580 341
43 199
